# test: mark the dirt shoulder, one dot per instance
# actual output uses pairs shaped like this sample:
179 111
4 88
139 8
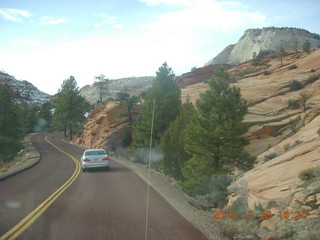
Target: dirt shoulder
173 194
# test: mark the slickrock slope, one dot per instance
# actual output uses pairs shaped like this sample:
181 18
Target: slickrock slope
283 137
133 86
105 126
265 39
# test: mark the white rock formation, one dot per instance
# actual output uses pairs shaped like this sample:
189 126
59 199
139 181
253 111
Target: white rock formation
265 39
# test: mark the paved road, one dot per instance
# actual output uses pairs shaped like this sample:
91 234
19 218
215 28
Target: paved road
97 204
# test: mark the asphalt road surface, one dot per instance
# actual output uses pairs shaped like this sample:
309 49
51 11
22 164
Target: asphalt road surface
54 200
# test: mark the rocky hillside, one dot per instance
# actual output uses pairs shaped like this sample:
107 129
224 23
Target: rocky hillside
105 126
133 85
265 39
284 129
24 91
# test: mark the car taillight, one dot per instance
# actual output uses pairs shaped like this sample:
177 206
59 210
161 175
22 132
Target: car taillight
86 160
106 158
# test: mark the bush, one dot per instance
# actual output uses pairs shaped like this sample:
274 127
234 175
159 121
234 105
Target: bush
293 104
270 156
313 78
213 191
309 173
292 67
266 73
295 85
255 62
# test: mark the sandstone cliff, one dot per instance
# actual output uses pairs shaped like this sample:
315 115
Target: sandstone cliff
265 39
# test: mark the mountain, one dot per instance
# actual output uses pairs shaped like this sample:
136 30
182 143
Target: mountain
133 86
24 91
269 39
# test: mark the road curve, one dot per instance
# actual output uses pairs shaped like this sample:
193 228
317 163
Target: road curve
97 205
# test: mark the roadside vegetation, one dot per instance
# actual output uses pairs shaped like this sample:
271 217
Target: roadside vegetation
199 143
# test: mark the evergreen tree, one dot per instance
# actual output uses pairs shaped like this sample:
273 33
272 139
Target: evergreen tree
70 107
213 139
306 46
173 142
166 94
102 84
129 101
9 123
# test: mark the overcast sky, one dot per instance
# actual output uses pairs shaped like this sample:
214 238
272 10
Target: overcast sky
44 42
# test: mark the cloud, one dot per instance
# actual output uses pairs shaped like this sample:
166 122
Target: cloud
51 20
26 43
203 15
106 19
15 15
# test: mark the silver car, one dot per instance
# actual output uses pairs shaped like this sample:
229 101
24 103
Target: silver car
94 158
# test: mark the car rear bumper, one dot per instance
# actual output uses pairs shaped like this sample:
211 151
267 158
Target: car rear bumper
87 165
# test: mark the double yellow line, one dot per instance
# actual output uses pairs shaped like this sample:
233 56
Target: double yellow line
14 232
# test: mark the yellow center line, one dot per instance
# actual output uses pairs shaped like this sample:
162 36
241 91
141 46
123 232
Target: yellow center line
14 232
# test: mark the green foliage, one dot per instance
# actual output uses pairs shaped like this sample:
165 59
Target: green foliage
129 101
291 67
304 98
313 78
309 173
173 142
213 139
70 107
195 172
214 190
270 156
306 46
46 113
101 82
295 85
293 104
166 95
10 131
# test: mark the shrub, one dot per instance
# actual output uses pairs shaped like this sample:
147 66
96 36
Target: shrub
293 104
270 156
312 70
309 173
266 73
213 191
292 67
318 131
288 146
313 78
295 85
255 62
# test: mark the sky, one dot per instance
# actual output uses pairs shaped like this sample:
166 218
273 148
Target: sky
45 42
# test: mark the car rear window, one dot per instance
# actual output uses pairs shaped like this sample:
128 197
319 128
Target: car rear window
95 152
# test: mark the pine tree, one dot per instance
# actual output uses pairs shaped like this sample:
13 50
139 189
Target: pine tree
70 107
172 142
9 123
306 46
102 84
166 95
129 101
213 139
